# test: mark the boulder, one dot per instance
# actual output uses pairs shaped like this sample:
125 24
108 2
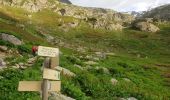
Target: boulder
90 63
132 98
78 66
10 38
56 96
3 48
147 27
105 70
126 79
114 81
67 72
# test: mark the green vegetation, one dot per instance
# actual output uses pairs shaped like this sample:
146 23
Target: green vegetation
138 55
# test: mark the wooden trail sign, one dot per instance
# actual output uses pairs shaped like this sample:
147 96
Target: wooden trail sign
37 86
51 74
48 51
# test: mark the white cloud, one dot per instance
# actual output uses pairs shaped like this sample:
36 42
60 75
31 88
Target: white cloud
121 5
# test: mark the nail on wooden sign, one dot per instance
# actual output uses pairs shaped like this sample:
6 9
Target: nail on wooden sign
48 51
51 74
54 86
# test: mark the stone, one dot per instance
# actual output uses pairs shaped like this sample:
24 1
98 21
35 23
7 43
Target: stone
147 27
126 79
10 38
67 72
100 55
90 63
132 98
105 70
31 60
3 48
2 63
56 96
1 77
78 66
114 81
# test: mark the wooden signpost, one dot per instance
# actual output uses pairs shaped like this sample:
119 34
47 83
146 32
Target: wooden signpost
49 74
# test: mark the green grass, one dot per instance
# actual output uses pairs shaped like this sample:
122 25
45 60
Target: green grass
148 81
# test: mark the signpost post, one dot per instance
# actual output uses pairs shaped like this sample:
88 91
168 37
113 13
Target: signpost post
49 74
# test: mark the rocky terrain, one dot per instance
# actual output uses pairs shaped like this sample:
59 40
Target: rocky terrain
104 54
95 17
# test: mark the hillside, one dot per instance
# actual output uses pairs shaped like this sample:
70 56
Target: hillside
106 58
162 13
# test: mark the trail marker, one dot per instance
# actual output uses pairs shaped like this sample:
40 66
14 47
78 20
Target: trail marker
48 51
36 86
49 73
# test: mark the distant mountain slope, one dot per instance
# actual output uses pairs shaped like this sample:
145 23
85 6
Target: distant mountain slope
96 18
65 1
161 12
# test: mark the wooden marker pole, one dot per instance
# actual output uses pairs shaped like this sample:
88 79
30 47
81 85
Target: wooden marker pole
45 81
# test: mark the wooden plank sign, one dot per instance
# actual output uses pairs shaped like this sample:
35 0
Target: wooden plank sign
36 86
51 74
48 51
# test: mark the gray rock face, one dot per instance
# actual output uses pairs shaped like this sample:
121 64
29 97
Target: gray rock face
10 38
147 27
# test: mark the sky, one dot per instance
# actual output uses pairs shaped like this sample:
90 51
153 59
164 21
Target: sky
121 5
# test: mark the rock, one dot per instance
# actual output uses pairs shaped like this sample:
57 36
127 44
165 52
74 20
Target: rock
132 98
1 77
105 70
56 96
101 55
78 66
3 48
68 72
116 27
21 64
2 63
10 38
147 27
31 60
90 63
114 81
126 79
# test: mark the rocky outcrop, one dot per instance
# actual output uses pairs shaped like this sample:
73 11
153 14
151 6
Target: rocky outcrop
147 27
97 18
10 38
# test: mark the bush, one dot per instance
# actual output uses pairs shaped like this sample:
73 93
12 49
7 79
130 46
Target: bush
24 49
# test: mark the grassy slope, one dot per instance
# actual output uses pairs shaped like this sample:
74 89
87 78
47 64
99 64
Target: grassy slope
148 81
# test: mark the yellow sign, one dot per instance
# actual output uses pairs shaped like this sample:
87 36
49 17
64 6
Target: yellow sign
48 51
51 74
54 86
